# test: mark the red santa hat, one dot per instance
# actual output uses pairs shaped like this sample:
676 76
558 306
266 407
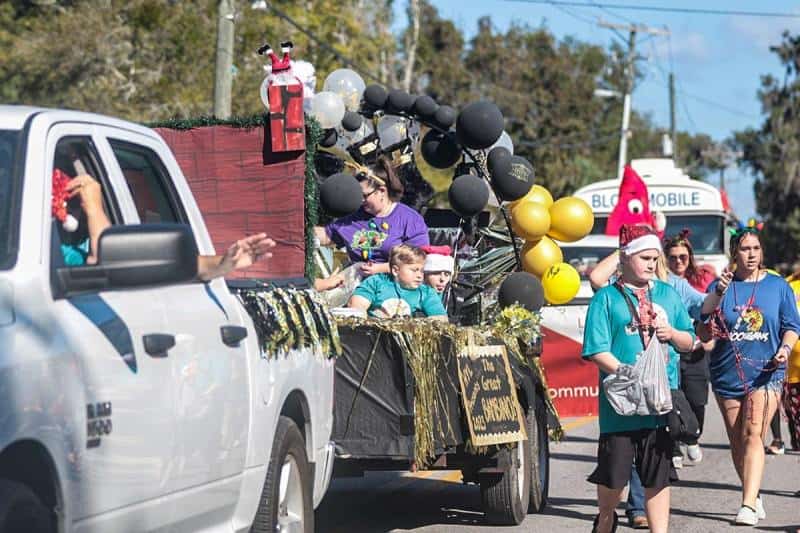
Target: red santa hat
438 259
58 206
634 238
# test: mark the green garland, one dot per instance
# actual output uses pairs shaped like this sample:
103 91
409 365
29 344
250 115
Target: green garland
252 121
311 192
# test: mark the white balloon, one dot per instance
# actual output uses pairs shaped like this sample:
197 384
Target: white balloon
347 84
504 141
263 92
328 109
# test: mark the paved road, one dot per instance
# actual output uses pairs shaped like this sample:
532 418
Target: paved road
705 500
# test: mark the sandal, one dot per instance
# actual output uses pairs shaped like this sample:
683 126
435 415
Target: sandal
613 524
776 447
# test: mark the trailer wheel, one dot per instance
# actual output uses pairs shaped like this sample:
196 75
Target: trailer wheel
21 511
539 443
286 504
505 496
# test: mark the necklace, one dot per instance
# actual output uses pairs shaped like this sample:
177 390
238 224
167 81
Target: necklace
748 305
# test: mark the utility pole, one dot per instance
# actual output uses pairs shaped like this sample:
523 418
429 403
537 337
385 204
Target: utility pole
223 76
632 30
672 131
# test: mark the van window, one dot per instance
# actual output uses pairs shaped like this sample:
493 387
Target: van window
155 200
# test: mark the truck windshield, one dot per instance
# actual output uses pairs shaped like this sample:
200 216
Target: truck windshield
9 225
707 230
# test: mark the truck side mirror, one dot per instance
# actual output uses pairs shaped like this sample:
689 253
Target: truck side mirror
136 256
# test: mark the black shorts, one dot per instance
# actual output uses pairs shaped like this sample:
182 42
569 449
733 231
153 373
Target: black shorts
649 449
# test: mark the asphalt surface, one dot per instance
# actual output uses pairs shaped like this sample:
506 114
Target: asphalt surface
705 500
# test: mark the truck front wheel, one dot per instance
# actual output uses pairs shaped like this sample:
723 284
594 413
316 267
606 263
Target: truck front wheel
286 504
21 511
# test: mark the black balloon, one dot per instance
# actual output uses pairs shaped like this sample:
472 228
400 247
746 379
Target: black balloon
468 195
351 121
425 107
522 288
340 195
444 117
479 125
329 138
440 150
399 101
516 181
375 96
499 160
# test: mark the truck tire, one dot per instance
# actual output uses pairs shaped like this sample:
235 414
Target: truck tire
505 496
286 502
21 511
539 442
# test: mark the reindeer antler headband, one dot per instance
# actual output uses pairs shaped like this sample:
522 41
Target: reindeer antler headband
364 170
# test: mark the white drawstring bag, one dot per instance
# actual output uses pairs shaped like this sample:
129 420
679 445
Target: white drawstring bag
641 389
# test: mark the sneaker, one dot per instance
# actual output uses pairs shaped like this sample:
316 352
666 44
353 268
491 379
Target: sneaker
677 461
694 452
760 512
776 448
747 516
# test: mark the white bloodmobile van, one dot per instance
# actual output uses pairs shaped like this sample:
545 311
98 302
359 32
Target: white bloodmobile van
687 203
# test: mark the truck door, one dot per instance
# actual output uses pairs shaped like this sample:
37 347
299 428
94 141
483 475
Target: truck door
129 424
210 377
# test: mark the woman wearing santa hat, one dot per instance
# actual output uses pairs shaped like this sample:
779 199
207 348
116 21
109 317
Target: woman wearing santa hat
619 323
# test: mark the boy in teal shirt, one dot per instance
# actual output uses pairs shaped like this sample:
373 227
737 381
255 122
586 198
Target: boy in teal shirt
612 341
401 293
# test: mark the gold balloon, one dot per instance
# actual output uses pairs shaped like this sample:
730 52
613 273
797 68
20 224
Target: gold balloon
538 256
537 194
530 220
560 283
571 219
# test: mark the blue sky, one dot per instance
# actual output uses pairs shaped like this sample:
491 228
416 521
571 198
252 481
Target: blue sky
717 60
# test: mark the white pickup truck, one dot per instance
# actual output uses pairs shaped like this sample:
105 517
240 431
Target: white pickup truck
134 397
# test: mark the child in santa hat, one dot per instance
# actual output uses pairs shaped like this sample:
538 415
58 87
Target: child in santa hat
438 267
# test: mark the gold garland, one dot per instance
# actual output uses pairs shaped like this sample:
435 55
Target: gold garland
291 319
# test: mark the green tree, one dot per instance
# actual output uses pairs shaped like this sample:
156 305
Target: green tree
772 153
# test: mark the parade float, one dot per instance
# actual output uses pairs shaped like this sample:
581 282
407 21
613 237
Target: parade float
410 393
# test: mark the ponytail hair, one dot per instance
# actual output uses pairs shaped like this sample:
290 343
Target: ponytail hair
384 170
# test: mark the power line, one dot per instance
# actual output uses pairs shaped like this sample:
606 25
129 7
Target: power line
664 9
365 72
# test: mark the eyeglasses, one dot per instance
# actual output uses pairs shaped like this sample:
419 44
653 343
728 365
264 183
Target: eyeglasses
368 194
682 258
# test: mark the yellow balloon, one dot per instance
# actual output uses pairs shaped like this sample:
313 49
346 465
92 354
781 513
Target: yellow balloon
537 194
530 220
560 283
571 219
538 256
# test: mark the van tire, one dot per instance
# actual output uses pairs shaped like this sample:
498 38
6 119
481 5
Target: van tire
288 458
21 511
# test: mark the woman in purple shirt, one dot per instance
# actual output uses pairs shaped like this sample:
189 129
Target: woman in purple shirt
381 222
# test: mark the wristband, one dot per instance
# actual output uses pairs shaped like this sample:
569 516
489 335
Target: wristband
788 348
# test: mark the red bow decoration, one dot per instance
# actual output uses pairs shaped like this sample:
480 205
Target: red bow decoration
58 205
